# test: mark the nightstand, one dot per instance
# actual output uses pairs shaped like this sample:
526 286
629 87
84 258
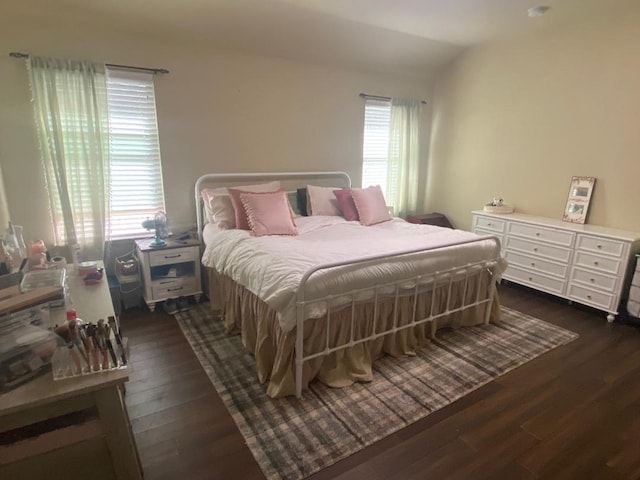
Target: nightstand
437 219
169 272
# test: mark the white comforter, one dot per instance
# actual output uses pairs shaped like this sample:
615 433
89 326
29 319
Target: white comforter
271 267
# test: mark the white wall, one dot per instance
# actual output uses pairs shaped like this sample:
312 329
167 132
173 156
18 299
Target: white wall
218 110
518 119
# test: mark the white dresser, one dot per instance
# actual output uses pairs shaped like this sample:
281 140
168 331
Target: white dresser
582 263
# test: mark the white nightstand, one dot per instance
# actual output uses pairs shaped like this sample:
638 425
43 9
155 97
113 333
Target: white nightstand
169 272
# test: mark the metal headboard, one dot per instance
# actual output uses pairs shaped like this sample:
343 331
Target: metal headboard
290 181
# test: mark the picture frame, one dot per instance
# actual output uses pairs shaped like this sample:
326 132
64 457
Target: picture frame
577 207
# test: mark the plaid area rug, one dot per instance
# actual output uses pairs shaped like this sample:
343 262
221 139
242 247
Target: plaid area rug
291 439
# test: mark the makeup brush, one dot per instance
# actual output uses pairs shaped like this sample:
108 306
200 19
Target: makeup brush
116 332
63 332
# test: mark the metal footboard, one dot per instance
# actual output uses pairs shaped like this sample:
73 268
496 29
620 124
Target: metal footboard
423 283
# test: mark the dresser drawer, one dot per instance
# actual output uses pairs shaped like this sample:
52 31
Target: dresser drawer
605 246
600 281
591 297
532 263
173 287
168 257
534 279
480 231
598 262
538 249
490 223
543 234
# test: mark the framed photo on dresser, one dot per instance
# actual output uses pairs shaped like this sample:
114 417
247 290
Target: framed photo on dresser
580 192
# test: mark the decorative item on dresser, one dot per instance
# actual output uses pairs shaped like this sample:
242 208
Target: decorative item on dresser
587 264
580 192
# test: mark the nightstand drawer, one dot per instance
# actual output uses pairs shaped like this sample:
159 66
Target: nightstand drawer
173 287
168 257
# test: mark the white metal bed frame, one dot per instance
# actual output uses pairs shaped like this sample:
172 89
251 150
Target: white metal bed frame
420 285
420 282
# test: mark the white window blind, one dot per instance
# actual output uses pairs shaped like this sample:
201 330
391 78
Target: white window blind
377 116
136 191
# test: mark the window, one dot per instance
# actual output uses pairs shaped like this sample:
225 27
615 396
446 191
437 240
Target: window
136 174
375 164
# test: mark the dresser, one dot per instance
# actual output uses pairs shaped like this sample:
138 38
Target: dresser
587 264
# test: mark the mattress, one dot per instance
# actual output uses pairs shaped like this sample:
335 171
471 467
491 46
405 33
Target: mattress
271 267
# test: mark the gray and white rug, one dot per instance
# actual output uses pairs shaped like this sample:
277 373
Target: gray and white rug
292 439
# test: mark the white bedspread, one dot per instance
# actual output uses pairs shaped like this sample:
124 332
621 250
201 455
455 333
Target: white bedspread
271 267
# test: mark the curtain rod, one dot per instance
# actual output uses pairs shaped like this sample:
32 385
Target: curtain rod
112 65
379 97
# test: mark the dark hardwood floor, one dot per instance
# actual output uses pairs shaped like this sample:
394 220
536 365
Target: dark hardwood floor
573 413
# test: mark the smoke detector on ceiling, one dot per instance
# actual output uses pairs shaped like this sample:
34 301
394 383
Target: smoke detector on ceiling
538 11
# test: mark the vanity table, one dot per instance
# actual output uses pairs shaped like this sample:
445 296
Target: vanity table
72 428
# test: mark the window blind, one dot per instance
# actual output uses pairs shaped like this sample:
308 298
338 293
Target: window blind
377 116
136 191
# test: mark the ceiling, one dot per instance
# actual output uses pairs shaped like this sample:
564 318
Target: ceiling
412 37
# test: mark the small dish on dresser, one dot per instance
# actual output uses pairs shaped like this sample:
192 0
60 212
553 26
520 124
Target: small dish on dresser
498 208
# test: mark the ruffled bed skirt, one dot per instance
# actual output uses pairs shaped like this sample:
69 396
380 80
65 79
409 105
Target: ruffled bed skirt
274 350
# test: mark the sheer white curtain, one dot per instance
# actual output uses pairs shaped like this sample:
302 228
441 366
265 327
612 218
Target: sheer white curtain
71 113
404 160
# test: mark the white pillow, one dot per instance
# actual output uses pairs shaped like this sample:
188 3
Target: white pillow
218 207
322 201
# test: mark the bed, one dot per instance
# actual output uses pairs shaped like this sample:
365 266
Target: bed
325 302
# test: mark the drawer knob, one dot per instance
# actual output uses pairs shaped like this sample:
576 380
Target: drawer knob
489 224
533 264
530 279
595 263
592 280
537 234
598 246
535 249
589 297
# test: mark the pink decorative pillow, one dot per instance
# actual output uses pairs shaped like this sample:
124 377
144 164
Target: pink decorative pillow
322 201
371 205
269 213
240 215
218 207
347 205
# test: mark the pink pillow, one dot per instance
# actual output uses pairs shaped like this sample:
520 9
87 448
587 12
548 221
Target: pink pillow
346 203
269 213
371 205
218 206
